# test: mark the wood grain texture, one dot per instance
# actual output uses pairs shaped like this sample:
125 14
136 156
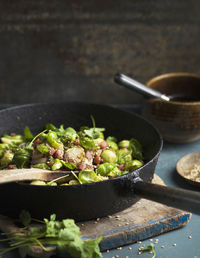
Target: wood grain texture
56 51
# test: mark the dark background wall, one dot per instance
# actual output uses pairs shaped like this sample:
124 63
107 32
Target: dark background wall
70 50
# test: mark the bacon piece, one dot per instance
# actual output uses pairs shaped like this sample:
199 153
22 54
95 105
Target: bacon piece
58 154
103 145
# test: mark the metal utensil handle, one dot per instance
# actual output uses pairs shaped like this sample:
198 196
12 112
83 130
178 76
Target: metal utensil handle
132 84
175 197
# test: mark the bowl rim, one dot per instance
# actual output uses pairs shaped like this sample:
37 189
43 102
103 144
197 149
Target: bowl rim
172 75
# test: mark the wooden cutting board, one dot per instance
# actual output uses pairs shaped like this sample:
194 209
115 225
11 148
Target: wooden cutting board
145 219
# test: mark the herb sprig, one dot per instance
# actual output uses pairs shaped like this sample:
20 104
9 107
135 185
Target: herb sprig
63 235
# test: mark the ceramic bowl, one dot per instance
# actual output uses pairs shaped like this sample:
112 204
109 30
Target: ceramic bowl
178 121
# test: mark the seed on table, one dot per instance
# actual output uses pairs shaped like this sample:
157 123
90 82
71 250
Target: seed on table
119 248
139 242
174 244
190 237
162 246
151 240
107 251
130 248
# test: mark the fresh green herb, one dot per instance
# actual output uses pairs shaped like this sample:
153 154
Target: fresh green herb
150 247
28 136
63 235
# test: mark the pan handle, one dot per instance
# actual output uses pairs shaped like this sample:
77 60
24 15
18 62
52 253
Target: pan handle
175 197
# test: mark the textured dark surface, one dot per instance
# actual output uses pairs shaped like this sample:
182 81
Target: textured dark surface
61 50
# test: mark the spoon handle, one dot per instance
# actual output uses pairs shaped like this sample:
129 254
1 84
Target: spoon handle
132 84
13 175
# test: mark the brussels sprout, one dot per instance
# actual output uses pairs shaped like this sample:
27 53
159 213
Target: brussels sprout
109 155
88 176
41 165
115 172
88 143
133 164
42 148
38 182
52 139
112 143
124 144
57 164
105 168
123 156
7 158
22 158
17 139
69 165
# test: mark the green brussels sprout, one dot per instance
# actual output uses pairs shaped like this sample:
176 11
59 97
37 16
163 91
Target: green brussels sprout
124 144
88 176
42 148
123 156
41 165
109 155
133 165
38 182
112 142
105 168
7 158
52 139
115 172
17 139
22 158
88 143
57 164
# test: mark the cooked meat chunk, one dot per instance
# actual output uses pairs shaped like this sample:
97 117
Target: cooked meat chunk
75 155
